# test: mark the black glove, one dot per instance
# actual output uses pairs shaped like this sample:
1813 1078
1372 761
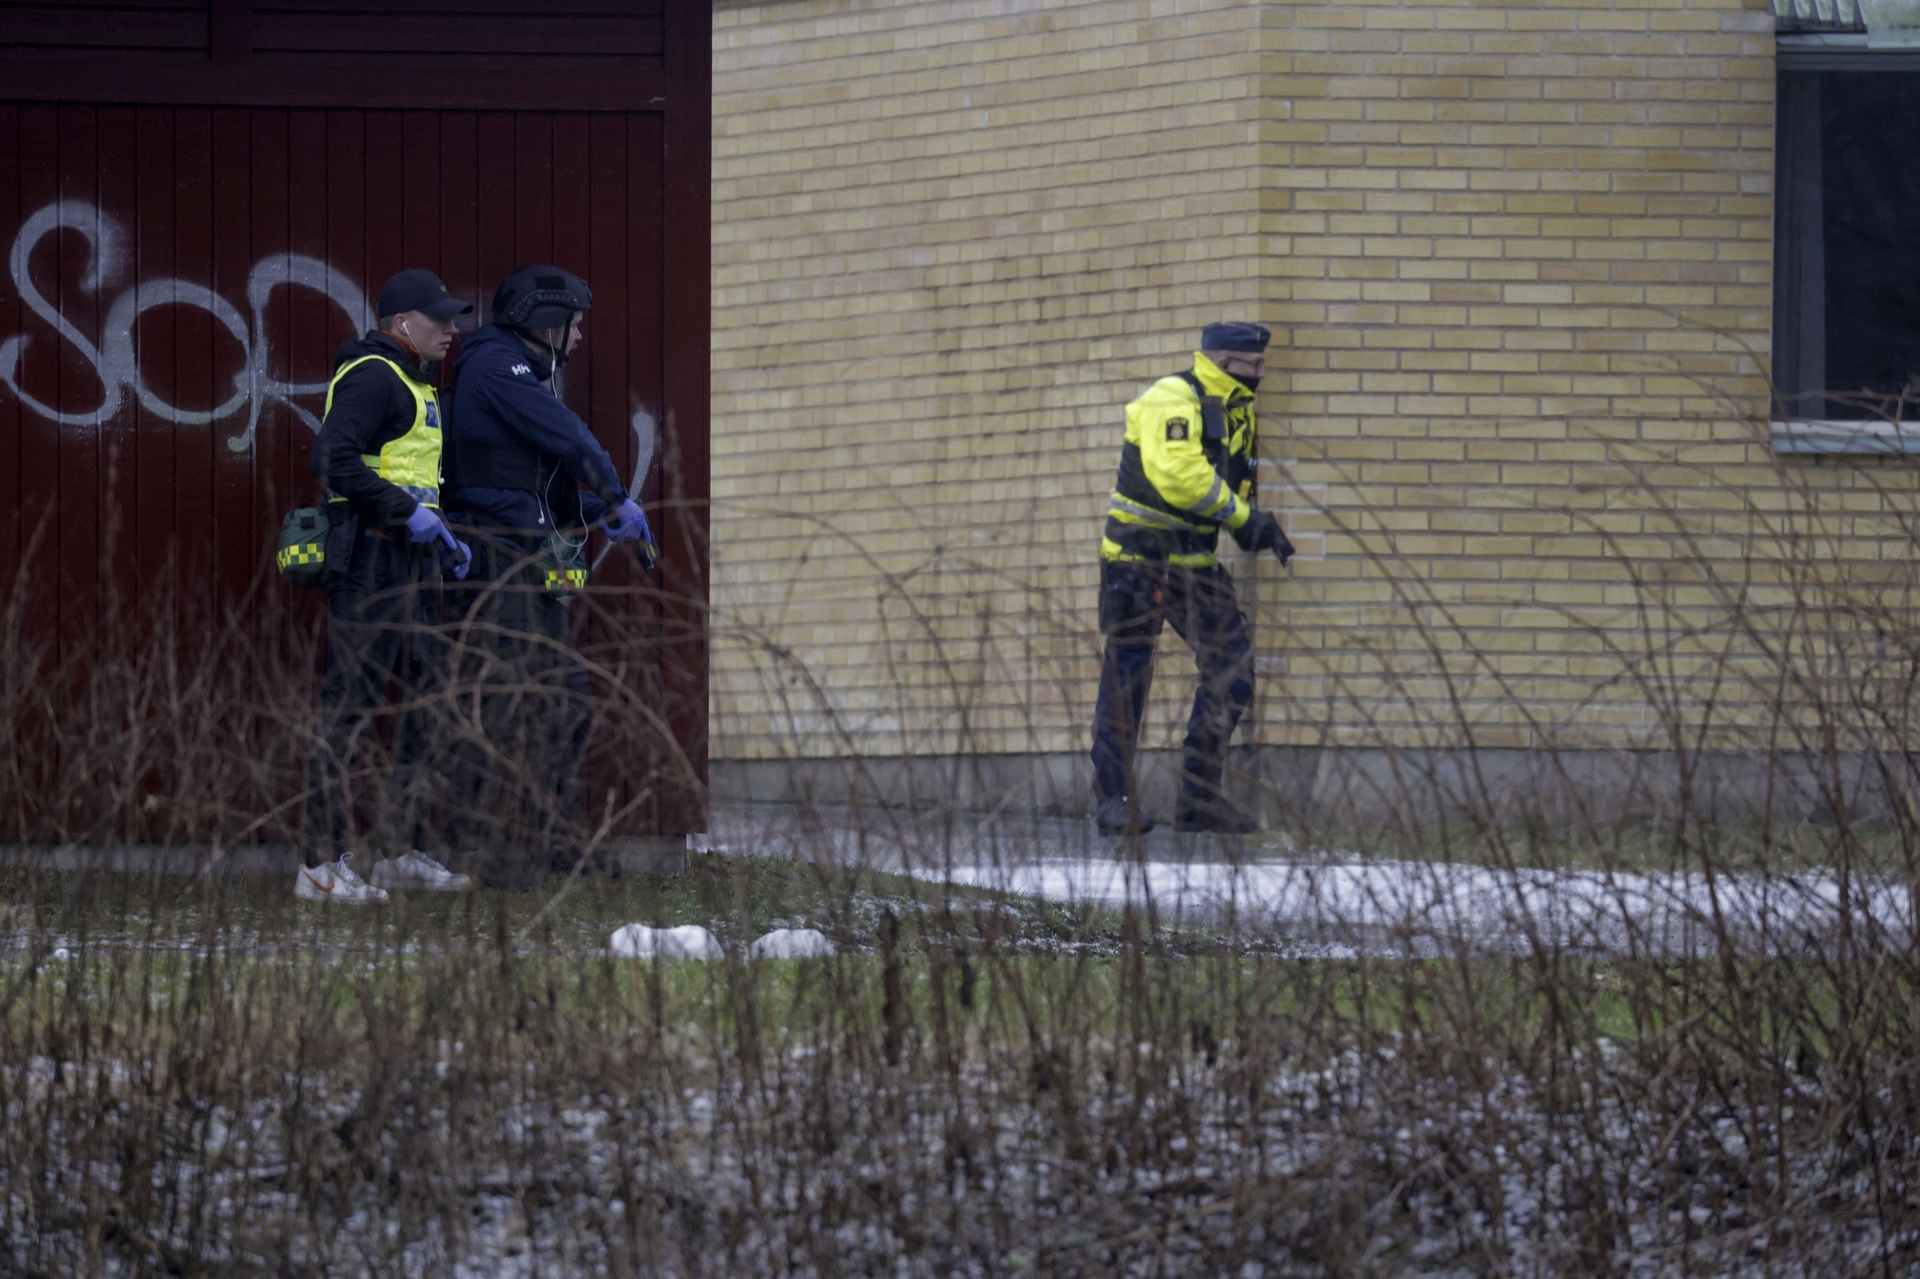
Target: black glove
1262 532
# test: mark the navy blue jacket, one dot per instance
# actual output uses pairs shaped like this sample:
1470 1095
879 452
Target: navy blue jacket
515 456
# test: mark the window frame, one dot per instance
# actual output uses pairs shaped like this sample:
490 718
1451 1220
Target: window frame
1799 200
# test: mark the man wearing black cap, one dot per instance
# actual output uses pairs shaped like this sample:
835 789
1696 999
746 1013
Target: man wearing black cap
378 453
1186 472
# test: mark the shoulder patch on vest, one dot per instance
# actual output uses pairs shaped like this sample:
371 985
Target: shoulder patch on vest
1176 428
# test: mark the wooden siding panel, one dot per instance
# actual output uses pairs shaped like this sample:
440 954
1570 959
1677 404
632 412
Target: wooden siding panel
236 534
38 369
118 130
385 12
310 328
149 227
105 27
458 194
200 211
13 315
494 208
80 514
192 344
417 215
533 188
525 35
383 224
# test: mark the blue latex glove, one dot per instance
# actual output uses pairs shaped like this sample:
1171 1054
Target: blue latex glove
425 525
628 523
456 558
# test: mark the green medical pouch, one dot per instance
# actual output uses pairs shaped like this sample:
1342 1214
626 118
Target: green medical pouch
563 563
301 554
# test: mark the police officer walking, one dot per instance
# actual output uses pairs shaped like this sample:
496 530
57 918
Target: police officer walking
378 453
527 479
1186 472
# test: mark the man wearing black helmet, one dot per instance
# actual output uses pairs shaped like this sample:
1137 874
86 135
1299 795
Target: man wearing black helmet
1186 472
526 479
378 453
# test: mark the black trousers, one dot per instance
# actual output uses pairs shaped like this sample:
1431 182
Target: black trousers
381 635
522 713
1136 600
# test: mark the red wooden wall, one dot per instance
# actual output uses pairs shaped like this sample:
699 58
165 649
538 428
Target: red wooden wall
198 200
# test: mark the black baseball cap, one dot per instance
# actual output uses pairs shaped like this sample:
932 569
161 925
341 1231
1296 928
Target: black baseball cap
420 290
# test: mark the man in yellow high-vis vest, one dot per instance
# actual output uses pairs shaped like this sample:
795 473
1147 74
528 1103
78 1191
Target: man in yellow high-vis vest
1186 472
378 453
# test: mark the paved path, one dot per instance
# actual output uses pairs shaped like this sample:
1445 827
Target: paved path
1320 901
1340 902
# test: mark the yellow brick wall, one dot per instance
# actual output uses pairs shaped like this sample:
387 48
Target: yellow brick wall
1516 257
1519 249
948 240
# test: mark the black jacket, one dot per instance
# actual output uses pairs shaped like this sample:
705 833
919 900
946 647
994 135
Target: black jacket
516 456
371 408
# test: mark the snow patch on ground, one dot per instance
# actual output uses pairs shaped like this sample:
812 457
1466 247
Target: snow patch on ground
1606 912
1345 902
791 943
688 941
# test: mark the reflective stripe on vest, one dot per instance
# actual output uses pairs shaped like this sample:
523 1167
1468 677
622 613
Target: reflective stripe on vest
411 461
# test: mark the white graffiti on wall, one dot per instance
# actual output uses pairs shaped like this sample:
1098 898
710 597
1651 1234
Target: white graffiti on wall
116 360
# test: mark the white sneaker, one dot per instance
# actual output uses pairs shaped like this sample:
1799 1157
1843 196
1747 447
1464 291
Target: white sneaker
417 870
336 882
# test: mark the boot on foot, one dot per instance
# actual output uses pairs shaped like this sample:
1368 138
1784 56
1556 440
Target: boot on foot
1213 816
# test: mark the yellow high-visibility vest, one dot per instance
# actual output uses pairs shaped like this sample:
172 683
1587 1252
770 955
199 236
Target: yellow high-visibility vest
410 462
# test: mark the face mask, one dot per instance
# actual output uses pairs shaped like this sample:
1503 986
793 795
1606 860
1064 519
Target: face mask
1251 383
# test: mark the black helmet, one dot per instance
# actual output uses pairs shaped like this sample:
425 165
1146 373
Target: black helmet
540 297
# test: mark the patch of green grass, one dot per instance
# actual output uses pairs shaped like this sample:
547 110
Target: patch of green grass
981 964
935 966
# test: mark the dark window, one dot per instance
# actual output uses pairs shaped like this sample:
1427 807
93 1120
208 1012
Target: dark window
1846 309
